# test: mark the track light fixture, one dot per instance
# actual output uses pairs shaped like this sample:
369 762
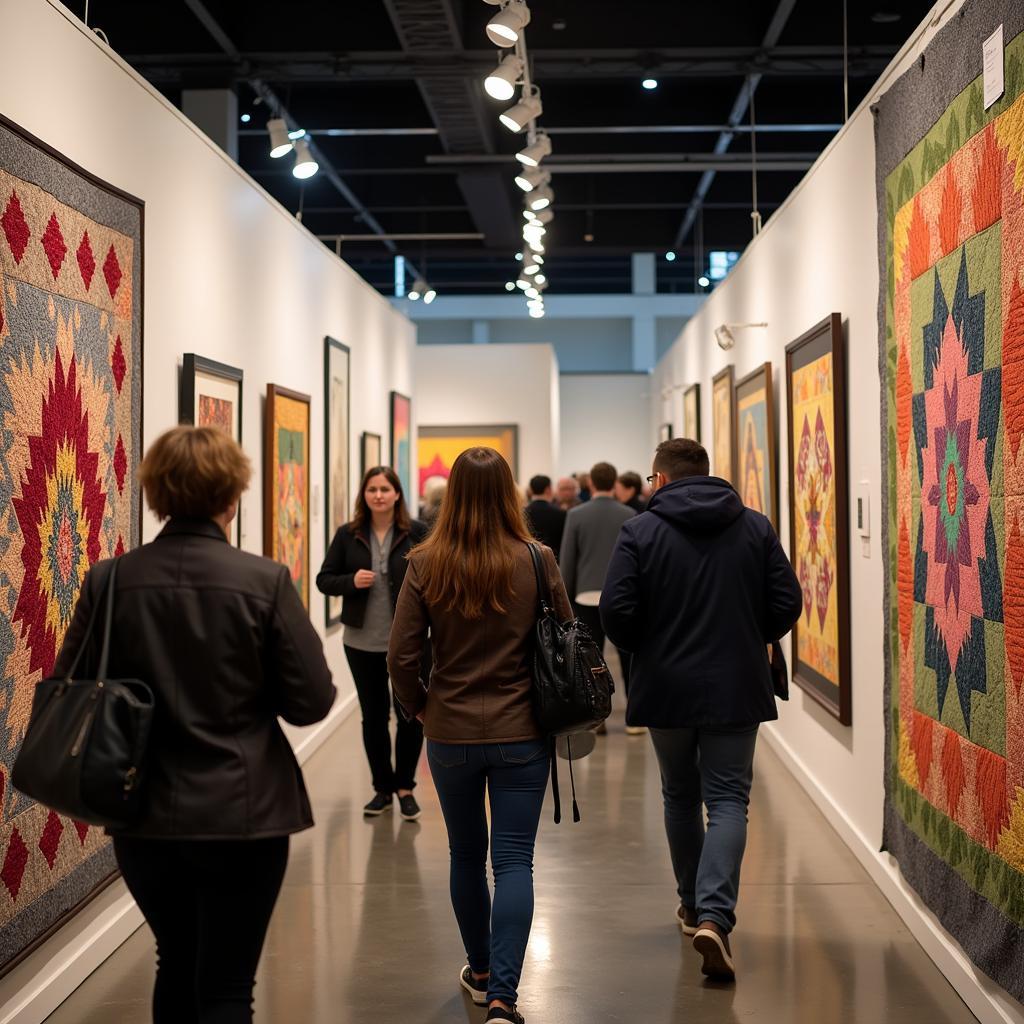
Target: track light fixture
536 245
421 290
505 27
279 141
531 178
305 165
724 333
540 198
501 82
545 216
529 215
518 118
524 283
537 312
532 155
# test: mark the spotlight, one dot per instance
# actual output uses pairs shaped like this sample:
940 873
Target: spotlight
703 281
541 279
279 141
305 165
537 312
670 257
532 155
532 178
528 109
519 256
246 118
510 286
533 233
541 198
418 288
297 133
536 245
650 84
529 215
524 283
531 268
532 293
429 295
725 338
504 28
501 83
538 259
545 216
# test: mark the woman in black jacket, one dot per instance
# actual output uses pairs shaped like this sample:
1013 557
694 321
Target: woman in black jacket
224 642
366 566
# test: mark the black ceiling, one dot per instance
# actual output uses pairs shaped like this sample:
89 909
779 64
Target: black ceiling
344 65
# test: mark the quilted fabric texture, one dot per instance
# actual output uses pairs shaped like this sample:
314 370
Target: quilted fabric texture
70 407
953 373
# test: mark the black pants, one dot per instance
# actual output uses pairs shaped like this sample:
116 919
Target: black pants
370 672
208 903
590 616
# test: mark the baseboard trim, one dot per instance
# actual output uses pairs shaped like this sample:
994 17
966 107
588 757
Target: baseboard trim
38 985
984 998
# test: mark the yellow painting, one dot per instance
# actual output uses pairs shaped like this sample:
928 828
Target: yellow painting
814 515
439 447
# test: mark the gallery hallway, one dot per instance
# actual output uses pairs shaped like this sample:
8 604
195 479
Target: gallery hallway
364 932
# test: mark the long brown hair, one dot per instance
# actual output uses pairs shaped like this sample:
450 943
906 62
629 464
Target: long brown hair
362 516
466 563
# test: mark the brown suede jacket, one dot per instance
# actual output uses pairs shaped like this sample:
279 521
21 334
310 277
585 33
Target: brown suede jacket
481 685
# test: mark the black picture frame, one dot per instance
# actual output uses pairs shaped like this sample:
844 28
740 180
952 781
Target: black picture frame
337 508
366 447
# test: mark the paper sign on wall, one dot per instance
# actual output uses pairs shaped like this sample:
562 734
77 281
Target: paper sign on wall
992 50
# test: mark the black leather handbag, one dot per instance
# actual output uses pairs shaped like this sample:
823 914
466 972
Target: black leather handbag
572 686
84 752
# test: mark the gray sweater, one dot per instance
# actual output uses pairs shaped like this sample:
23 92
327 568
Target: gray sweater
591 530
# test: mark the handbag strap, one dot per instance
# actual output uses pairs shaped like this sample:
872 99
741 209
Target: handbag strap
108 602
543 587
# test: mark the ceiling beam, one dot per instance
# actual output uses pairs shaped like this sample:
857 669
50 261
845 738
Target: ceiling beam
648 129
736 115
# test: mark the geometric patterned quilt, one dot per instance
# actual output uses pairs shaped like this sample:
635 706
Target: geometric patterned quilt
70 432
952 225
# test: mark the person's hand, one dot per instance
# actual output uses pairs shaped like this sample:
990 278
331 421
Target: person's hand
364 579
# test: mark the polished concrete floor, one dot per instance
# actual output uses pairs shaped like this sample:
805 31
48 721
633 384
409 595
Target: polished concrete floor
363 931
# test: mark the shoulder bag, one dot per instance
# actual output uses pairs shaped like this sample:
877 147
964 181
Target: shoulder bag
84 751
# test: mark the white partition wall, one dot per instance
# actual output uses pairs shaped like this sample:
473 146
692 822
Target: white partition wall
817 255
229 274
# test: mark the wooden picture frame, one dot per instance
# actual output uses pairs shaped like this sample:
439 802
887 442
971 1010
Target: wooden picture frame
401 442
664 432
754 430
371 452
723 422
816 386
691 412
287 431
210 395
337 452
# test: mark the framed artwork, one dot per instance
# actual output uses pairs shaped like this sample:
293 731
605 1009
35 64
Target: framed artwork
757 455
691 412
210 395
665 432
439 447
286 484
337 388
371 453
71 310
401 441
723 423
819 542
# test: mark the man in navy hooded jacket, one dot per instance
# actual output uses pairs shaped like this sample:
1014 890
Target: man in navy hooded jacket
697 587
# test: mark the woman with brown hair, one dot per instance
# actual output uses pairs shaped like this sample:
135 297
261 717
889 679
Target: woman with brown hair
366 565
222 639
472 584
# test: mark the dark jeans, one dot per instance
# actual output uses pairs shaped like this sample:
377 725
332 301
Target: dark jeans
514 776
208 903
370 672
711 768
590 616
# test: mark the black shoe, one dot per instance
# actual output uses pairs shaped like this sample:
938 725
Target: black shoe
476 989
513 1016
408 807
378 805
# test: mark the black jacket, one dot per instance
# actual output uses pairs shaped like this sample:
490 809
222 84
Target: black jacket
349 552
547 523
224 642
697 587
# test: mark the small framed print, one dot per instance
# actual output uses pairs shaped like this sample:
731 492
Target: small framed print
210 395
691 412
756 448
665 432
371 452
723 423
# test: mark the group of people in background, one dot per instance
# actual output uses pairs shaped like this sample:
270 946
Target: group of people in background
439 622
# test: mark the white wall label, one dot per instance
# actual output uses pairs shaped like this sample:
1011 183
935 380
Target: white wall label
992 52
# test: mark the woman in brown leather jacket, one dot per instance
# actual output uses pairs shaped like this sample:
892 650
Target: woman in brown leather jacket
224 642
472 584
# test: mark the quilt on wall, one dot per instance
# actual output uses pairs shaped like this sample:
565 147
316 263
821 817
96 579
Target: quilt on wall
951 220
71 412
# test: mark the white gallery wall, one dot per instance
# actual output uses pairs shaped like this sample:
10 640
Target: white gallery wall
817 255
605 417
462 385
228 274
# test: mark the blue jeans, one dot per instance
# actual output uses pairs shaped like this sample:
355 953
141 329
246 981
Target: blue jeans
515 777
712 768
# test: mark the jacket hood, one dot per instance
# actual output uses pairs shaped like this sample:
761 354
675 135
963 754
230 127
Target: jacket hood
704 503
